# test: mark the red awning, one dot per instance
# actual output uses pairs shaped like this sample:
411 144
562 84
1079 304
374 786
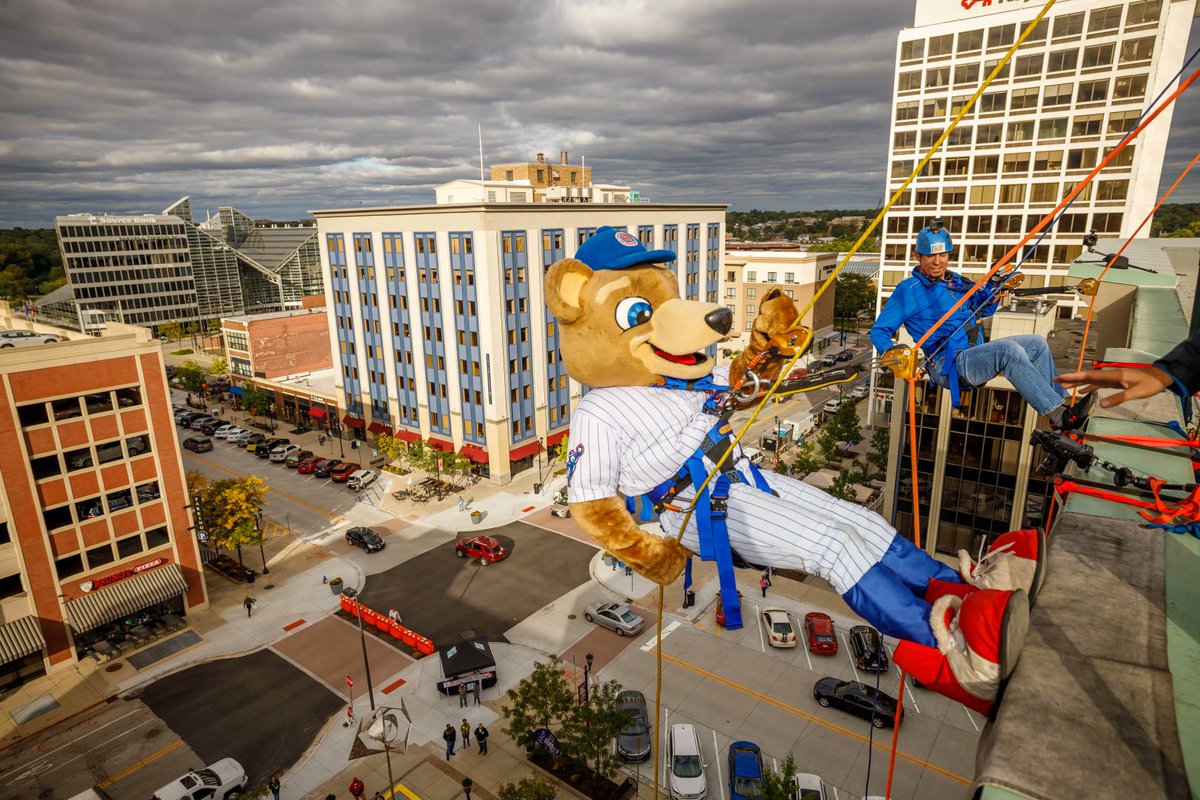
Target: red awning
438 444
475 453
553 439
524 451
354 422
405 435
379 427
316 413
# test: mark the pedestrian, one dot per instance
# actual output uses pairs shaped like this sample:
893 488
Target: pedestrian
481 737
628 569
763 583
475 690
465 730
394 616
324 580
612 560
357 788
462 504
448 736
273 785
767 575
462 695
249 604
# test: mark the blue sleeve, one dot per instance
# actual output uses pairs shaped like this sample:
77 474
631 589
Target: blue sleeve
894 313
985 301
1183 365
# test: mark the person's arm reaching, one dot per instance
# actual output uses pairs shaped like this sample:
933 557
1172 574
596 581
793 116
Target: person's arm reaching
893 315
1178 370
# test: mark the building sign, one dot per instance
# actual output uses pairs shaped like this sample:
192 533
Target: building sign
98 583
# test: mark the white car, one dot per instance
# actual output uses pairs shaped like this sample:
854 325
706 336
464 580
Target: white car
223 431
282 451
231 434
860 391
809 787
780 632
20 338
361 479
221 781
685 761
832 405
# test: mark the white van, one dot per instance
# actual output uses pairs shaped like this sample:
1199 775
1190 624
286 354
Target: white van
361 479
755 455
685 764
223 780
802 426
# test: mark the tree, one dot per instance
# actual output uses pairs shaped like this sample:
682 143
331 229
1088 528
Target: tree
842 486
255 399
233 507
779 785
806 460
854 295
191 377
562 449
535 787
218 367
389 446
456 463
543 700
880 446
172 330
594 726
845 426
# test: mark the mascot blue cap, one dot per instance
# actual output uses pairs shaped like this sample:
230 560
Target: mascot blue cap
612 249
934 239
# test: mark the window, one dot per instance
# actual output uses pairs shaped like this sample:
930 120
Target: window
961 136
1043 193
1020 131
1055 128
909 81
904 140
1028 66
982 194
989 134
1105 19
1024 98
1002 36
1087 125
1129 87
927 197
1016 163
1106 223
1092 91
957 166
1002 72
941 45
1057 95
966 74
750 310
1068 25
1143 13
954 197
1062 60
929 136
937 77
934 110
1010 223
751 293
978 224
66 567
1112 190
1081 158
1123 158
900 170
970 41
913 50
1137 50
1012 193
1098 55
986 165
907 112
993 102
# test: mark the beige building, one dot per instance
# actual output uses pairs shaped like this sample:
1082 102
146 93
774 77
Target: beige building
751 270
538 181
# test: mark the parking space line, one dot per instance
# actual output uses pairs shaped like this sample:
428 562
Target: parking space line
270 489
808 658
717 761
758 624
833 726
967 711
649 645
849 656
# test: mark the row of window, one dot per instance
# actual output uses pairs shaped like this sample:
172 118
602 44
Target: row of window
1082 126
87 457
40 413
124 245
1128 88
107 553
1049 163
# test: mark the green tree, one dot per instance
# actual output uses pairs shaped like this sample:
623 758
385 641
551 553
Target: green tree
456 464
854 294
594 726
389 446
880 447
807 460
842 486
535 787
191 377
218 367
255 399
779 785
845 426
562 448
172 330
542 700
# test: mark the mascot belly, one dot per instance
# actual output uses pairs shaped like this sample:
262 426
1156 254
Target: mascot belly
649 427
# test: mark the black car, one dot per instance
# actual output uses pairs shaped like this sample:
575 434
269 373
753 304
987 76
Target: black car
858 699
633 743
867 646
198 444
263 449
211 425
324 467
845 355
365 538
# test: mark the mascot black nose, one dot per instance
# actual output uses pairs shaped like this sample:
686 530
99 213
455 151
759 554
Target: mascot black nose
720 320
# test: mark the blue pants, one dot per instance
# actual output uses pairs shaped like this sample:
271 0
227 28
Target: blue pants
1026 362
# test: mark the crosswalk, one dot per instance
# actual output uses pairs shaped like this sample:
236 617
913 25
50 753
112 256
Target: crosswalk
275 530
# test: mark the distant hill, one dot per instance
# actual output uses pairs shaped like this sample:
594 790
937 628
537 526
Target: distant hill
30 265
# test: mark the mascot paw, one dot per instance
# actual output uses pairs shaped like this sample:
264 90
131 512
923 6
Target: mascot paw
658 558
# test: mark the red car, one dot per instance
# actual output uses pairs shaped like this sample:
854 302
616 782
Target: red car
485 548
305 467
818 628
342 471
797 374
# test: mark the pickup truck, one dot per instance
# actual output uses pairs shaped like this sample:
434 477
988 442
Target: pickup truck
220 781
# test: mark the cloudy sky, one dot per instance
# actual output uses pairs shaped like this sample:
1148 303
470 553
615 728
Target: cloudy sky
280 107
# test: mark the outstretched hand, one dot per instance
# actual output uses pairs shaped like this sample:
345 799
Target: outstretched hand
1137 382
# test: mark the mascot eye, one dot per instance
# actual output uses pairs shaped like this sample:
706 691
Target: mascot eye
633 311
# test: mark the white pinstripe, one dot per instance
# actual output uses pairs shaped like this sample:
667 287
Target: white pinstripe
636 437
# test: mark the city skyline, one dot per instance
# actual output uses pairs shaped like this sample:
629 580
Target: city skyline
282 109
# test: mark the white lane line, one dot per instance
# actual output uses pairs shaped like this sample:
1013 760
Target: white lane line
970 717
758 624
79 737
808 658
850 658
649 645
717 761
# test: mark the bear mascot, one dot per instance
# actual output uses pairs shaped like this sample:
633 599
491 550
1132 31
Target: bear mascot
651 427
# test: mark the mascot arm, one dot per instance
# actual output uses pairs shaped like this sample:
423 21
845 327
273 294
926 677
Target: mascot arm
658 558
776 315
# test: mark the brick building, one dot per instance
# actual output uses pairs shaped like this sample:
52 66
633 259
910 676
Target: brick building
94 527
277 344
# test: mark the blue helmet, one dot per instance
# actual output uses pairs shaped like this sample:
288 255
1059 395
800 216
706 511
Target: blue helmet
934 239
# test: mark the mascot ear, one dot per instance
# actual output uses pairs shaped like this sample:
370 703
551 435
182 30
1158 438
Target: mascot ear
564 288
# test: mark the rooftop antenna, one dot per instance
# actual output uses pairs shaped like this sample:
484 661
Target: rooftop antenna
480 152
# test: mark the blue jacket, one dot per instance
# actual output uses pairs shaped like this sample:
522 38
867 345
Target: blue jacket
918 302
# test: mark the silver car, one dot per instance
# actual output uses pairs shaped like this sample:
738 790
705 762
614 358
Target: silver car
18 338
617 616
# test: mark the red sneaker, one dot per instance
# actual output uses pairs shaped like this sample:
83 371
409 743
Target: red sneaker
1016 560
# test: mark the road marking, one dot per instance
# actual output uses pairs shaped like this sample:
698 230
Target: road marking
323 512
404 790
130 770
833 726
4 776
967 711
649 645
758 616
717 761
808 658
846 650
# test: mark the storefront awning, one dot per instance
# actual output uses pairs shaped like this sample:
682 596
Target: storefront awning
438 444
475 453
237 391
405 435
553 439
379 427
20 638
354 422
316 413
125 597
524 451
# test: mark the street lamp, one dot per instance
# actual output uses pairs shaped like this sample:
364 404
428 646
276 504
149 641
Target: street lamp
362 636
258 525
587 672
541 448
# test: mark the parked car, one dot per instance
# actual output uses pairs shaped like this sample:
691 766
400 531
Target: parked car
220 781
198 444
296 458
211 426
280 453
860 391
223 431
818 629
366 538
243 437
232 434
807 786
342 472
486 548
633 743
867 646
263 449
779 628
200 420
253 441
305 467
360 479
325 466
829 360
797 374
832 405
845 355
745 771
560 511
617 616
21 338
857 698
685 764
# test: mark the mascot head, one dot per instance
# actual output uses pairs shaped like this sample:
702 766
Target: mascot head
622 322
